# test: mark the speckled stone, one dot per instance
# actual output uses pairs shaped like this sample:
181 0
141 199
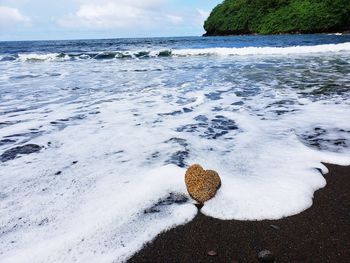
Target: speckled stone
201 184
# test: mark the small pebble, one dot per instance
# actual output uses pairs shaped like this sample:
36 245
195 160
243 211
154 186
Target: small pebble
58 173
275 227
266 256
212 253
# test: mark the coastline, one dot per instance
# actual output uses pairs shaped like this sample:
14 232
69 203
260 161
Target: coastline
339 33
318 234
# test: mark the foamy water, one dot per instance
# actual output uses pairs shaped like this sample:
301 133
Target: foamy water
118 134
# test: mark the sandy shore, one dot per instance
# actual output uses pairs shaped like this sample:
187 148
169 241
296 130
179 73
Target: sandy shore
319 234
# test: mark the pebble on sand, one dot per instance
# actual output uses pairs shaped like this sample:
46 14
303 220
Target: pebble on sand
212 253
266 256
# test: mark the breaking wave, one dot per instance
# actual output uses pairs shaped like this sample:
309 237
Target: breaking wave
139 54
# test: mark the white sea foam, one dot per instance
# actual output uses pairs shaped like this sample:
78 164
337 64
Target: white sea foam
41 57
131 125
244 51
278 173
135 54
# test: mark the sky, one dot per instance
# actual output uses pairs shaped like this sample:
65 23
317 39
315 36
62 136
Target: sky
81 19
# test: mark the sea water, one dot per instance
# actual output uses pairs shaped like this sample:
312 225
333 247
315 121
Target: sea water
119 121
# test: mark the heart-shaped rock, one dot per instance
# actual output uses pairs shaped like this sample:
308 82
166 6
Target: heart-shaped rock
201 184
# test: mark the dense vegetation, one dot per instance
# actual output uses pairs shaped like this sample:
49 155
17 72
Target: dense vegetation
234 17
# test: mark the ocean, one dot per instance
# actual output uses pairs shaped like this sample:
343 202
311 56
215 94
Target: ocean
96 136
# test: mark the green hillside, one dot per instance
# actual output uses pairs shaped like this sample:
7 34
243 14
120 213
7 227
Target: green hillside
234 17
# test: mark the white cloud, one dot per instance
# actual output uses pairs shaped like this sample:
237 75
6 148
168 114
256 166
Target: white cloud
121 14
11 16
175 19
203 14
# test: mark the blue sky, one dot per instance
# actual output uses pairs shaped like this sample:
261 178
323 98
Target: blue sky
76 19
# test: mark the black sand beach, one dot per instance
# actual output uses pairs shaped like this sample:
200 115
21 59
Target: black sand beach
319 234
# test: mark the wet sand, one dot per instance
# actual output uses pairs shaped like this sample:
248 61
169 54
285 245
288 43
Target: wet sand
319 234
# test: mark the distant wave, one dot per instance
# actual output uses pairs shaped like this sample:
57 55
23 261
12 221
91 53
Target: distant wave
243 51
